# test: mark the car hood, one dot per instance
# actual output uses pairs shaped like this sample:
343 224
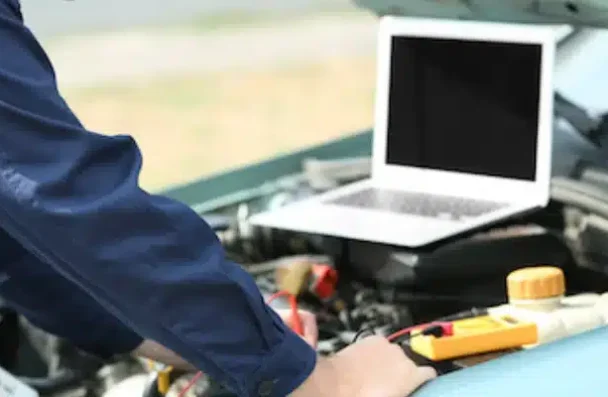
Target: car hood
590 13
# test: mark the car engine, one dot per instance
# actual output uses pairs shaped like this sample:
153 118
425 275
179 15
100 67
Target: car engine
353 290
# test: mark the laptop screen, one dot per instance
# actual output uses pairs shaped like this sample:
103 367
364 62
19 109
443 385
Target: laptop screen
464 106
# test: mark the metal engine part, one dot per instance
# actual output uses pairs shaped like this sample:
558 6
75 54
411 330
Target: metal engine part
133 386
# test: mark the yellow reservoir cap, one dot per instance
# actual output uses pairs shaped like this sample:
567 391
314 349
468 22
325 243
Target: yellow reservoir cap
541 282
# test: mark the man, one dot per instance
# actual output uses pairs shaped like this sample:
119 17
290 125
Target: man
90 256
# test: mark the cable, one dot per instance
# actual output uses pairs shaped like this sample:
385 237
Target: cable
434 328
361 332
595 176
442 326
190 384
580 194
405 331
296 320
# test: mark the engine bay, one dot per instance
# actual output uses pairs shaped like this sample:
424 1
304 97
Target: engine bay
356 289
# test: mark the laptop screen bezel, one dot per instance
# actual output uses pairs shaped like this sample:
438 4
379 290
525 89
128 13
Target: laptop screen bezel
456 183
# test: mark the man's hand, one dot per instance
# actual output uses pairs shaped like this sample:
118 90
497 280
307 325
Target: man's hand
372 367
309 321
349 373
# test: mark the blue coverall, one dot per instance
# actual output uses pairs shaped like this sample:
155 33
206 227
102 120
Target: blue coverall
88 255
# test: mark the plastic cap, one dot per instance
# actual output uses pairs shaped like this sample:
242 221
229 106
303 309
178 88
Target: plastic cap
536 283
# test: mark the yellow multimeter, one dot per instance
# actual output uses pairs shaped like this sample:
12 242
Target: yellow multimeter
475 336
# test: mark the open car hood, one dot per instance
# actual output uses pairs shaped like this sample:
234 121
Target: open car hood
590 13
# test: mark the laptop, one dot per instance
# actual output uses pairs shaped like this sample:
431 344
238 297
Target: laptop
462 135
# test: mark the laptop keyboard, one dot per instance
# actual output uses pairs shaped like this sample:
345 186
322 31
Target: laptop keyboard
421 204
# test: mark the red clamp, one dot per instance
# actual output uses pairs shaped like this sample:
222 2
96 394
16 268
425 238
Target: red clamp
323 281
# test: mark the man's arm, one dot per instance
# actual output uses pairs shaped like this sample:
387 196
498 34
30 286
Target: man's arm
56 305
71 197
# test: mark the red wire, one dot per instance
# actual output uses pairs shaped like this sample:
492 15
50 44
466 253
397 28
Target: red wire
409 330
192 382
277 295
296 325
403 332
296 320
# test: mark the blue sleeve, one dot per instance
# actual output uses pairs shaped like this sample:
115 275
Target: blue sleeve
71 197
55 304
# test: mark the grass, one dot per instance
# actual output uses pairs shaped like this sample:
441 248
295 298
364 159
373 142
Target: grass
192 126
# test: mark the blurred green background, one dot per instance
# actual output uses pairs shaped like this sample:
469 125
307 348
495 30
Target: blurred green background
208 86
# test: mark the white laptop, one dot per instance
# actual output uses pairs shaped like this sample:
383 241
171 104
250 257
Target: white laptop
462 135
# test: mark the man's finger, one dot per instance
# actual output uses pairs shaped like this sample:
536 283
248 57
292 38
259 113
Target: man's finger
311 330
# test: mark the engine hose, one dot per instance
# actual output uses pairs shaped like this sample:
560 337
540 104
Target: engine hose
596 176
62 381
582 187
582 201
580 194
